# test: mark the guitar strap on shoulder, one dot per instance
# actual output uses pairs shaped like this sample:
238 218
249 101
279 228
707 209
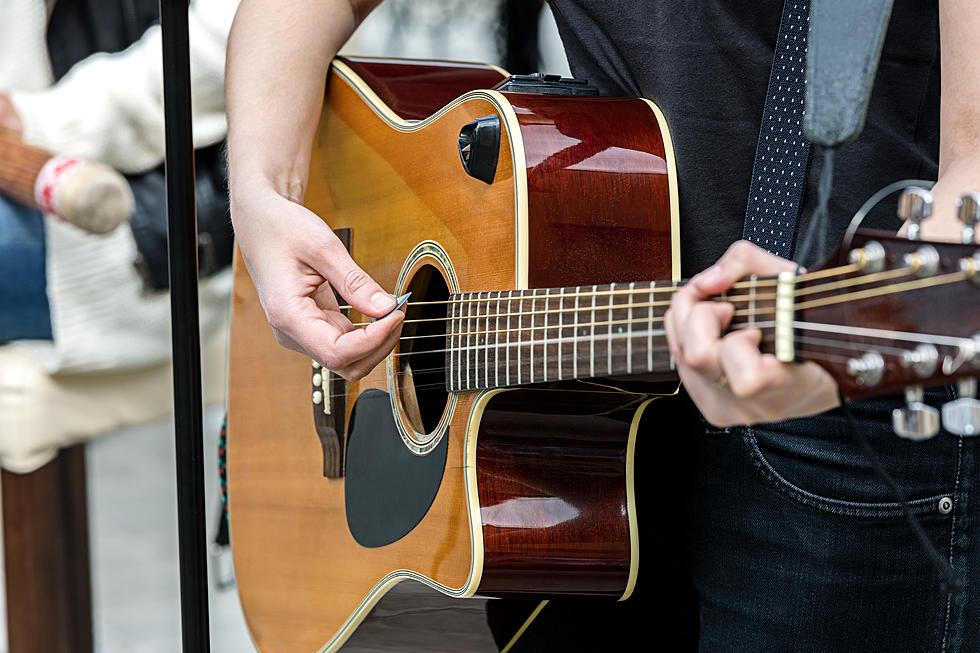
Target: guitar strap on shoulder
846 38
827 55
783 153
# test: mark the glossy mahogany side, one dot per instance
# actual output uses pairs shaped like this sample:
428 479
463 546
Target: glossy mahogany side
551 470
417 89
598 197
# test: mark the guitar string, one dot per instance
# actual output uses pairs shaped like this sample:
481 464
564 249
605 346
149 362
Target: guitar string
845 345
872 334
807 276
906 286
936 339
732 299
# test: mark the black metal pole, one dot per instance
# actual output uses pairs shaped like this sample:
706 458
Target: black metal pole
182 241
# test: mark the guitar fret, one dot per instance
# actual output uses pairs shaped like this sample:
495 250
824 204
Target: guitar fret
510 297
469 337
609 340
486 346
592 338
578 290
629 334
534 310
561 310
520 322
496 345
544 352
450 350
457 325
653 285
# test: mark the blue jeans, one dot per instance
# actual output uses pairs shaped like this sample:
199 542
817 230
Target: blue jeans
781 538
24 311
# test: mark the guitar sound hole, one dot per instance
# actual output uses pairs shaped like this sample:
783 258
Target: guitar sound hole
421 361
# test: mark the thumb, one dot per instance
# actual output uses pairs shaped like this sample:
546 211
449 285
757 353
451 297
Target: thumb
360 290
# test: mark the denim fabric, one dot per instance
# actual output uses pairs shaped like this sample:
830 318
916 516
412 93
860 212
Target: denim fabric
795 545
24 311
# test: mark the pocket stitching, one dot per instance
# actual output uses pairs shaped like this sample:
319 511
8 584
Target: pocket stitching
828 504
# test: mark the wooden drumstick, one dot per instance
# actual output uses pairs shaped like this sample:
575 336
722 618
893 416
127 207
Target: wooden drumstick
87 194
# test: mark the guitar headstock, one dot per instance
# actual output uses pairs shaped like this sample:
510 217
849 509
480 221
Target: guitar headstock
884 314
889 313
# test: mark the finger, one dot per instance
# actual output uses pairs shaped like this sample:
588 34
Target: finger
329 338
369 344
332 260
741 260
718 405
699 338
361 368
749 372
325 298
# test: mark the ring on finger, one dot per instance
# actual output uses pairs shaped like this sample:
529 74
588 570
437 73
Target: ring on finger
722 382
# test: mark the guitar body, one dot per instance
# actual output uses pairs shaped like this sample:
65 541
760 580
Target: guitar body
522 493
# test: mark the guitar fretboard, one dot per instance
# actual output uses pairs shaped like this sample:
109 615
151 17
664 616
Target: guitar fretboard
518 337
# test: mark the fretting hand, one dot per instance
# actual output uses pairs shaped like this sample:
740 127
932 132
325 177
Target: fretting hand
294 259
726 375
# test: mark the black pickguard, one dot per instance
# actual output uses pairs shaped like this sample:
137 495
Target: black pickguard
388 489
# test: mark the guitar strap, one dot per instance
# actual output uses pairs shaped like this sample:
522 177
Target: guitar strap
783 154
827 56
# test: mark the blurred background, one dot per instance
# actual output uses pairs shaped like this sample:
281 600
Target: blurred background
129 470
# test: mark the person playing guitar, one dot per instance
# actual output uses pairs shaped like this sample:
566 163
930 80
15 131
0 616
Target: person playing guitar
787 536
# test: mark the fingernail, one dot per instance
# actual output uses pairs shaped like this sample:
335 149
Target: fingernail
382 301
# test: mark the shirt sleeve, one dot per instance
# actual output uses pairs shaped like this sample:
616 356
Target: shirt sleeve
109 107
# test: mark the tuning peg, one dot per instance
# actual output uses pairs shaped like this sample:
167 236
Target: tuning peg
962 416
968 211
917 421
914 206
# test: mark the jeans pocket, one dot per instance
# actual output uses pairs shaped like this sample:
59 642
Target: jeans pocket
816 462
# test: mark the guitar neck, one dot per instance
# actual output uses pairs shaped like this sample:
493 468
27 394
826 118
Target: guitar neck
518 337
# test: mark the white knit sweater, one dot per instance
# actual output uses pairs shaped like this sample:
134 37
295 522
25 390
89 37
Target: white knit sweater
109 108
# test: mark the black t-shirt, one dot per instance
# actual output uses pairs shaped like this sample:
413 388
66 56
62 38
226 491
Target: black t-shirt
706 64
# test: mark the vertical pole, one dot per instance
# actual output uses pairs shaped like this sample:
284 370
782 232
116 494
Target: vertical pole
182 241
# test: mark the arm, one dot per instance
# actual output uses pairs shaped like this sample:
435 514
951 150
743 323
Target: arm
959 117
278 57
726 375
109 107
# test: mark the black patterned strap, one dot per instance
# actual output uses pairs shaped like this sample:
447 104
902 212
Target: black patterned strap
783 153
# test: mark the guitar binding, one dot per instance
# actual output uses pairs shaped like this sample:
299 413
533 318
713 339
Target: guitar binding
416 369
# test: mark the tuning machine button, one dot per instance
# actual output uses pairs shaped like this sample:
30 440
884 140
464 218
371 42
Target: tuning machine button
923 261
914 206
970 266
867 370
923 360
968 211
870 258
917 421
962 416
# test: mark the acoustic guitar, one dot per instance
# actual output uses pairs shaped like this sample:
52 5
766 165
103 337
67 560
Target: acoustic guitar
492 454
